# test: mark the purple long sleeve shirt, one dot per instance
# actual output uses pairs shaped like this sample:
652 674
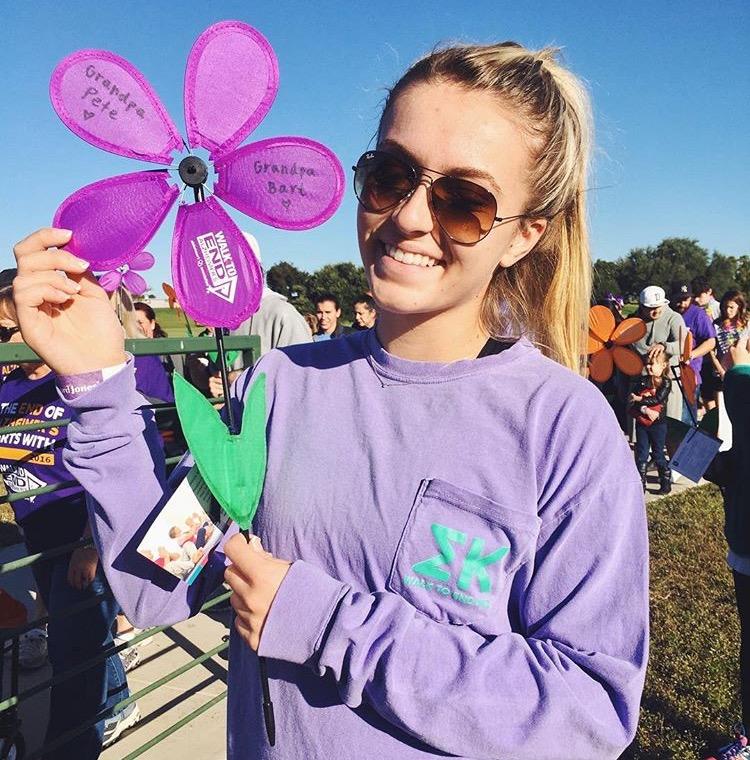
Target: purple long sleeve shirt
470 549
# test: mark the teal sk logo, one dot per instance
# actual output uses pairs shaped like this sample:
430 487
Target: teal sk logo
475 563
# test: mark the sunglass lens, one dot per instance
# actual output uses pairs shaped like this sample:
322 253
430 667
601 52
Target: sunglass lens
465 210
382 181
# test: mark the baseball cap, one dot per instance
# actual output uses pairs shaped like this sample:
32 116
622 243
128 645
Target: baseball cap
653 296
681 291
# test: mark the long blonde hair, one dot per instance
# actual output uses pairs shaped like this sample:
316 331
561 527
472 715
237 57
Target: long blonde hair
547 294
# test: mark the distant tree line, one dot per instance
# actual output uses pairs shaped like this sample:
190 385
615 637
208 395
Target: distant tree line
346 281
673 261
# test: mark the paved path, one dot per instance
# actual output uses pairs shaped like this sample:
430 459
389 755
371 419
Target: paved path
204 738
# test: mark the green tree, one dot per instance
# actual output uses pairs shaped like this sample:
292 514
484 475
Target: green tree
678 260
606 278
635 272
743 275
294 283
673 261
722 274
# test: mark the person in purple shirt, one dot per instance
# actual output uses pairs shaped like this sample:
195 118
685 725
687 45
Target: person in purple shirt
152 380
450 552
704 341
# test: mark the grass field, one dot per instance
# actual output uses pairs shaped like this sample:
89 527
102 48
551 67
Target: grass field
691 698
173 323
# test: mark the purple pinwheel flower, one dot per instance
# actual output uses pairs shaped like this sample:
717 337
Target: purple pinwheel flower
231 81
127 275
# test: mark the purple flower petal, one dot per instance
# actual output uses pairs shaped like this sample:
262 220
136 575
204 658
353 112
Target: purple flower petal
111 280
106 101
216 276
287 182
231 80
134 283
141 261
113 219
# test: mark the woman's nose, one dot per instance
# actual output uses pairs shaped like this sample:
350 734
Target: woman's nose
414 215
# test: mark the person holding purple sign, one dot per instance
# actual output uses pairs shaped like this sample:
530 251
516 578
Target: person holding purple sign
704 341
438 581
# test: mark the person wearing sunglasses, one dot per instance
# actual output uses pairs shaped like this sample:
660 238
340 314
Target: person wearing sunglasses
450 553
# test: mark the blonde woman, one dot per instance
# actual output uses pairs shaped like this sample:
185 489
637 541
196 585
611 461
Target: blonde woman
450 554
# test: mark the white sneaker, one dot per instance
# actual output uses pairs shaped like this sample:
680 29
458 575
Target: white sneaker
130 658
126 636
115 726
32 649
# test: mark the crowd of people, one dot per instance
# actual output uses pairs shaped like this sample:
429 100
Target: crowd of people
688 328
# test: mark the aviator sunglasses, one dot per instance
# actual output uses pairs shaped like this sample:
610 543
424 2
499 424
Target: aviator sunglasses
465 211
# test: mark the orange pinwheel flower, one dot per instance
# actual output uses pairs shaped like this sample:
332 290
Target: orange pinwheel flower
171 295
687 373
607 344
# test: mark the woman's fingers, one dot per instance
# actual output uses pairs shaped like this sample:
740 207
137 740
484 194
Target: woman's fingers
248 634
43 260
56 280
38 295
47 237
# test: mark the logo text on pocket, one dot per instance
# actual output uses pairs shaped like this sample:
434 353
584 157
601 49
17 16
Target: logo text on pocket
474 565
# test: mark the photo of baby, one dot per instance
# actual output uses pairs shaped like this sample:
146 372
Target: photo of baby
182 536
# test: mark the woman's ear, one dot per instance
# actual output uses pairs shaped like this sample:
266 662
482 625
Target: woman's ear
523 242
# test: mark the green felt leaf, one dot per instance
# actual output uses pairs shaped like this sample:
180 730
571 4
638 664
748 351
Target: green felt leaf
231 356
233 466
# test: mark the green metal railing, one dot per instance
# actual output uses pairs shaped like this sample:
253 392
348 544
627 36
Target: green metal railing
19 352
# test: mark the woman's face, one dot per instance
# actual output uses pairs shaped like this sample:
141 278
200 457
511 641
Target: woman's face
145 325
731 309
466 134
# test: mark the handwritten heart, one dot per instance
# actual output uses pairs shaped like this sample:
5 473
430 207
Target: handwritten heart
88 114
286 202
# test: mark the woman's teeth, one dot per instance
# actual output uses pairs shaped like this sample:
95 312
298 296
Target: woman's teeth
415 259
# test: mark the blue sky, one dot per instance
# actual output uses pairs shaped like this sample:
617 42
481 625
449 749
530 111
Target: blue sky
670 83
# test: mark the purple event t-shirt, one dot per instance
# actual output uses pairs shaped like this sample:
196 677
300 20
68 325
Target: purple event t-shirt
702 328
33 459
152 380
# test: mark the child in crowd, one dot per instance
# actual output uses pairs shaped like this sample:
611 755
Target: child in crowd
29 461
648 404
731 327
435 490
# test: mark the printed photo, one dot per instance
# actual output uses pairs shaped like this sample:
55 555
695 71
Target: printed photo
183 535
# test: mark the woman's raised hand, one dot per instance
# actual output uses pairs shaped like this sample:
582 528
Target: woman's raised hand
67 320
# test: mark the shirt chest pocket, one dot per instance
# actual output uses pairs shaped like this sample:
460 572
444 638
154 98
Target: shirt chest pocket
458 554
